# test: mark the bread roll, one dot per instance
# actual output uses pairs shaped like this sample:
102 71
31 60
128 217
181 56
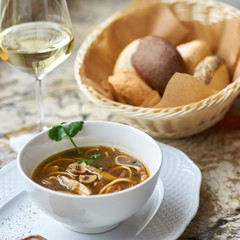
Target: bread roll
213 72
124 61
129 88
193 52
156 60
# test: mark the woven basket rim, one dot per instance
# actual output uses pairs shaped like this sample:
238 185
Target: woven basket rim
154 113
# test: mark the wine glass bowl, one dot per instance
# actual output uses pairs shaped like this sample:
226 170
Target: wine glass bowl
35 37
37 48
37 42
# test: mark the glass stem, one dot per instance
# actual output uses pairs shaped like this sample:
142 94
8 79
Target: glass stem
39 97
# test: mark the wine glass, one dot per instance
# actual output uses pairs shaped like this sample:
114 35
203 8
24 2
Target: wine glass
35 36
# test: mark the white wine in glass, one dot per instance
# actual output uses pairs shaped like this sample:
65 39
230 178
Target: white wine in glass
35 36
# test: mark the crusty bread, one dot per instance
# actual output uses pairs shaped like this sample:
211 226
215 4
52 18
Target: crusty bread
129 88
193 52
213 72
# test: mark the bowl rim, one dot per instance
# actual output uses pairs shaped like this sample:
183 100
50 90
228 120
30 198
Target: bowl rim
154 113
96 196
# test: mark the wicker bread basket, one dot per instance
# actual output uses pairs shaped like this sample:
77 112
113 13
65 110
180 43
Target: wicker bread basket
179 121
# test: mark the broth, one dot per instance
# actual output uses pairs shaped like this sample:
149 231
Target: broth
98 170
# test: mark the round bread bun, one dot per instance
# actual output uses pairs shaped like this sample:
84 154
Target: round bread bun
124 61
212 71
156 60
193 52
129 88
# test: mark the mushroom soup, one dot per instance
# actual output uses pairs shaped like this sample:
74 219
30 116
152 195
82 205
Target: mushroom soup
99 170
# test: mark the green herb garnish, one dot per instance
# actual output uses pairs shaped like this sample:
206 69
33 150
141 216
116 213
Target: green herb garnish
87 161
95 156
58 132
90 159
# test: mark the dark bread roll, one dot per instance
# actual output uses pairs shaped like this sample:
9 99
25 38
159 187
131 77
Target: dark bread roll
156 60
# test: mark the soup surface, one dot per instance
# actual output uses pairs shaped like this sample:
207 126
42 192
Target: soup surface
98 170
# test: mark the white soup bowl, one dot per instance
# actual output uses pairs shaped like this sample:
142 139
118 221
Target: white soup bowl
93 213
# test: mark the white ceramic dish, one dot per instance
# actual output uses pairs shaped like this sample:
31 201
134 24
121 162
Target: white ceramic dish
100 212
181 178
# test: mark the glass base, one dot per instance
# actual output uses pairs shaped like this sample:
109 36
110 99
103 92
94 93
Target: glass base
16 142
19 138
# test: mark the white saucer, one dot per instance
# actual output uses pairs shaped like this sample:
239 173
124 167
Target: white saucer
181 178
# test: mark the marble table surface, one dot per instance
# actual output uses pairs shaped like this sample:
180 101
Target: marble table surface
215 151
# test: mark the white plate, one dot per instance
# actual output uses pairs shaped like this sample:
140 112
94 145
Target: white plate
181 178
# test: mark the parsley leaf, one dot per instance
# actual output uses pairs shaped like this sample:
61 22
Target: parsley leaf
58 132
74 128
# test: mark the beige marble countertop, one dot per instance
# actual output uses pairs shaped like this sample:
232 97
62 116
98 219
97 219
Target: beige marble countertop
215 151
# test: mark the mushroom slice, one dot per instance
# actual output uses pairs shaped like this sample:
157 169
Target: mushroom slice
87 178
75 186
77 168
